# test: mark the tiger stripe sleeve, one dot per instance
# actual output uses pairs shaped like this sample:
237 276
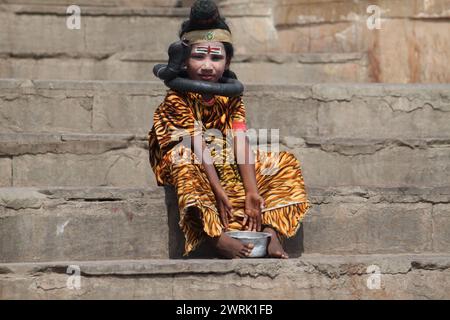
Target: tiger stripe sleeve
174 120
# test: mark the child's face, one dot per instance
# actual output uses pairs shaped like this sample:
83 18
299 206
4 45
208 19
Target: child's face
207 61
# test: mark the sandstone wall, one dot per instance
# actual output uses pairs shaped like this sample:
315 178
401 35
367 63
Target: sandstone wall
412 45
276 41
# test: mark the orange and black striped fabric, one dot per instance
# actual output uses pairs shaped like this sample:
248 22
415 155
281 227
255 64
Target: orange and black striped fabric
278 175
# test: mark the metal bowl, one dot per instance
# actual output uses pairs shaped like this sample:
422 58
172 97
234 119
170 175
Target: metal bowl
259 240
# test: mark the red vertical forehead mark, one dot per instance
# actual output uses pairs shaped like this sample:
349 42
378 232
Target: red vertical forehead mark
213 49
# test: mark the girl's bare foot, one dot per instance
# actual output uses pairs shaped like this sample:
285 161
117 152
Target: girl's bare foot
275 249
231 248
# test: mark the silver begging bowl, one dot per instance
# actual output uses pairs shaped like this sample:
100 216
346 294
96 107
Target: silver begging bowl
259 240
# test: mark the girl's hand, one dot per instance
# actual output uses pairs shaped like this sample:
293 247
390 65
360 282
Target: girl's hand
178 52
224 206
254 203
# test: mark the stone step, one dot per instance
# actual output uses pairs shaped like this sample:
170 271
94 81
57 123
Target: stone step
107 30
85 223
121 41
259 26
29 159
132 66
405 276
98 3
369 111
51 224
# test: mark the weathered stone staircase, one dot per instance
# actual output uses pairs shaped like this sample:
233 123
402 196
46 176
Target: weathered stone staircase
76 187
77 193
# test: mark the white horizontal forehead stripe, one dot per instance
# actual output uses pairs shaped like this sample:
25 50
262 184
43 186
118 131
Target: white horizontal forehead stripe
201 50
204 49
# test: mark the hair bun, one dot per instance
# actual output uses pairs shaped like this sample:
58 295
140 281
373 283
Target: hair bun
204 12
204 15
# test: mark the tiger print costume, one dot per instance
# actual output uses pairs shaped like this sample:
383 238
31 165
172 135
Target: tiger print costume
278 175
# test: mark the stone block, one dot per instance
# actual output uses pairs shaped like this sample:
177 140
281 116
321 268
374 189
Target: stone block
386 167
147 29
97 36
84 229
323 110
430 55
298 12
339 37
16 144
292 73
114 69
21 198
125 113
128 167
33 111
310 277
5 172
44 224
86 224
441 227
253 34
50 68
412 51
396 50
361 228
384 117
277 110
120 160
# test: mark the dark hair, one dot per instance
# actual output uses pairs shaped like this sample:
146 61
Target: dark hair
205 15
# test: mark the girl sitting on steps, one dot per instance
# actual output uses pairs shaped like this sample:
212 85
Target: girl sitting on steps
221 188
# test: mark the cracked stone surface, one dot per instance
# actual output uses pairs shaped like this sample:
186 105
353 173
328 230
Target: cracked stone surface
122 160
324 111
83 223
308 277
16 144
19 198
59 164
124 113
112 168
35 112
50 224
386 168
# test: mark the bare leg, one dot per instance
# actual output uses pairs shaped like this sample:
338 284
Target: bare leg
275 249
231 248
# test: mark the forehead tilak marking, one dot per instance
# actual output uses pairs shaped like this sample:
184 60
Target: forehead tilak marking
208 49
